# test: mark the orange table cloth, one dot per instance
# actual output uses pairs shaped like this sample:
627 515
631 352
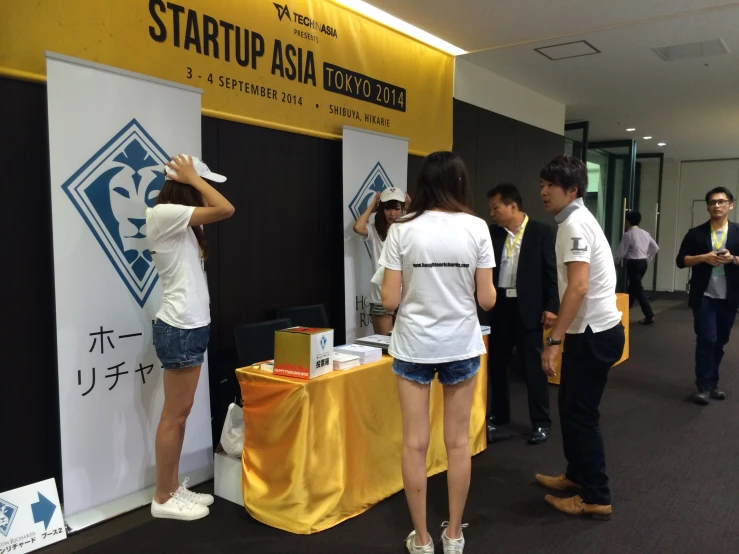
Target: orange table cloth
622 302
321 451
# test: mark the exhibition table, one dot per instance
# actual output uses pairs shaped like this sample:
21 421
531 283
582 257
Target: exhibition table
622 302
318 452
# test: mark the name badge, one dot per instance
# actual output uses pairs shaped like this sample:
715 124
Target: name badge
511 293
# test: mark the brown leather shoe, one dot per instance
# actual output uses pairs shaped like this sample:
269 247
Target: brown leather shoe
574 506
558 483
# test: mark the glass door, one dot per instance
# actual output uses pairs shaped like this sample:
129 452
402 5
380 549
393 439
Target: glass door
611 179
576 140
647 195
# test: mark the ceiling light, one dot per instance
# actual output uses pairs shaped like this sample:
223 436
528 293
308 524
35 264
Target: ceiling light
630 129
647 138
384 18
661 144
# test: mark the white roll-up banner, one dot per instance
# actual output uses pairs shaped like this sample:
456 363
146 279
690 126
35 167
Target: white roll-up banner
110 134
372 162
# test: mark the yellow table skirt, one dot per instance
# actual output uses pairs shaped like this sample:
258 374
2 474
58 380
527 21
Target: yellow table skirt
319 452
622 302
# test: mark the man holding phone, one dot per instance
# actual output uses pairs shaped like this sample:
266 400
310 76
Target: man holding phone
710 250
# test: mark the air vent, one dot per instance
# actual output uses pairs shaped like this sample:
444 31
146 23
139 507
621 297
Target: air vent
568 50
693 50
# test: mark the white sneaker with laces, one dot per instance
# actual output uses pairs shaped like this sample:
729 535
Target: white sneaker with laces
452 546
413 548
198 498
179 507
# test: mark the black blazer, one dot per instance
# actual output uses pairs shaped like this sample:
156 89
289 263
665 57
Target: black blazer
698 241
536 280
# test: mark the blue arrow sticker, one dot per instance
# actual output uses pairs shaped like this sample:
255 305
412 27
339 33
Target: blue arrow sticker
43 510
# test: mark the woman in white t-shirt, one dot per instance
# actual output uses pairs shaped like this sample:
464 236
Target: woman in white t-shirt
182 328
387 206
435 258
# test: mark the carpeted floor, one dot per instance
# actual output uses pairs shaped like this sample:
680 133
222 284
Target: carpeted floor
673 468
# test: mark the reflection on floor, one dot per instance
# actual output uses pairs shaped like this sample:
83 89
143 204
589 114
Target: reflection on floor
658 306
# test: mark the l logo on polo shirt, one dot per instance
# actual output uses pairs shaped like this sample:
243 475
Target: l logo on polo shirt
576 245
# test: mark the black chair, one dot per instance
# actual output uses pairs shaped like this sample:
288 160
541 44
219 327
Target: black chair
306 316
255 342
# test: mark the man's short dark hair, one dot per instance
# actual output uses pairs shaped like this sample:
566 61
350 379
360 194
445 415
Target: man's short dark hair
720 190
508 193
634 218
567 172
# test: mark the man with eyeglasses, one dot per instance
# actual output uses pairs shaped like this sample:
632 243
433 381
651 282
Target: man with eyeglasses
710 250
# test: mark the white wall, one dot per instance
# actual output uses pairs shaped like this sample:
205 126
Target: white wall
696 179
484 89
669 242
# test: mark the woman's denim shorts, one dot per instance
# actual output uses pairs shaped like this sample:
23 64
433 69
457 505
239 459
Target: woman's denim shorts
180 348
450 373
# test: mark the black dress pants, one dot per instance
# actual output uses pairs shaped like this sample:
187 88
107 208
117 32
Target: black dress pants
586 360
507 331
635 270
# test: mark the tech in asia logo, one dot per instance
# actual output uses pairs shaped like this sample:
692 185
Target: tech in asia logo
283 11
377 181
7 515
112 191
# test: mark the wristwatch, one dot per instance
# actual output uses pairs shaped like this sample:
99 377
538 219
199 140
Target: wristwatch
552 342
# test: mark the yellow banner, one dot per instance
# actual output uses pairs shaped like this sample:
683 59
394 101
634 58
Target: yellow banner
307 66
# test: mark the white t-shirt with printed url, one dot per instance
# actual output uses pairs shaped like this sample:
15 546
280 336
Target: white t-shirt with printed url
438 254
176 254
580 239
375 244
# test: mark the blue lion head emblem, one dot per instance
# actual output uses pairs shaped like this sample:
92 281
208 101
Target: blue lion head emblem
377 181
112 191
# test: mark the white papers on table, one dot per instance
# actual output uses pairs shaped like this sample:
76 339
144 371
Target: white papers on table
366 354
345 361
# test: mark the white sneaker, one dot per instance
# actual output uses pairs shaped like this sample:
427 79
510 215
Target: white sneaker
198 498
179 507
413 548
452 546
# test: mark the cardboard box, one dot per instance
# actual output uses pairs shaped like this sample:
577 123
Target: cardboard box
304 352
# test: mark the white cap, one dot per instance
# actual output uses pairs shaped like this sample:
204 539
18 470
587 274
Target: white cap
390 194
201 169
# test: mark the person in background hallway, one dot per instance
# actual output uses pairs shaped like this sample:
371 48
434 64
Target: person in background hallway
637 248
440 253
182 327
595 338
388 206
711 251
526 282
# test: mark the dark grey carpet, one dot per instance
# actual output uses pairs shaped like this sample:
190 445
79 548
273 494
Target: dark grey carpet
673 467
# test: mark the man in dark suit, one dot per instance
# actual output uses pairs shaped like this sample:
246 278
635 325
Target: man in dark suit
711 251
525 278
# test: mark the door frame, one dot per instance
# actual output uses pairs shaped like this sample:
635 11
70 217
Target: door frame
637 187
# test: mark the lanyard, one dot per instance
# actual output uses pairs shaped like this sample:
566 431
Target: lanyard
511 248
723 238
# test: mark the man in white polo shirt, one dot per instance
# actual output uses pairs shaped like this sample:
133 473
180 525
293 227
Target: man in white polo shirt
589 318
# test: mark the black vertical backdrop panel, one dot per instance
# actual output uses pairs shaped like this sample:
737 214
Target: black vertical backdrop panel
269 250
495 154
29 404
534 148
331 228
414 166
466 144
